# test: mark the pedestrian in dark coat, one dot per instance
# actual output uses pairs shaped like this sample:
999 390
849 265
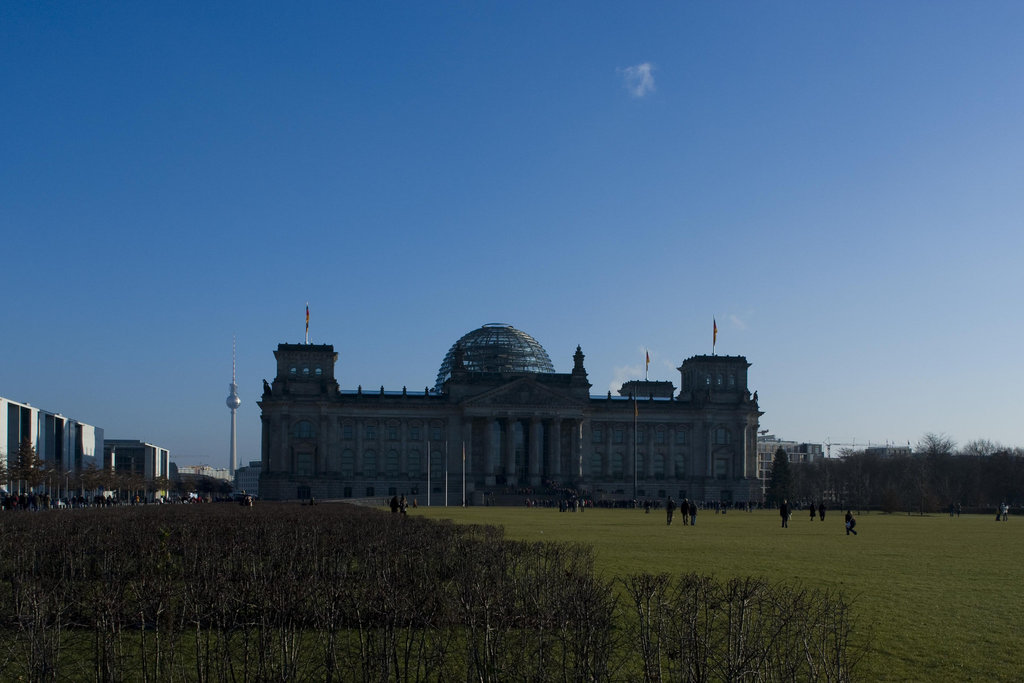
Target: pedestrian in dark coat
784 513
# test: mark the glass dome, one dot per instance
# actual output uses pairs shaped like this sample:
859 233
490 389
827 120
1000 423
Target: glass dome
496 347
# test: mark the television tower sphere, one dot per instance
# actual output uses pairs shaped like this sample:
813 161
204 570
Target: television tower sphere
233 400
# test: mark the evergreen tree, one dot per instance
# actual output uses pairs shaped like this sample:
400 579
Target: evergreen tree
29 468
778 490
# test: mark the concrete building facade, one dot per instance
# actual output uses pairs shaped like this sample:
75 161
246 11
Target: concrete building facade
62 443
500 420
130 456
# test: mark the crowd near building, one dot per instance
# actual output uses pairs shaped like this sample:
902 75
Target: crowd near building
499 419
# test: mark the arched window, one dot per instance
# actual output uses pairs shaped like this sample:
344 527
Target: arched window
348 461
413 464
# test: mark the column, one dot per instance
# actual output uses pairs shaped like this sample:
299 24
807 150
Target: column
555 463
510 450
535 451
582 450
403 450
467 439
670 454
491 454
323 442
709 470
357 463
629 465
606 459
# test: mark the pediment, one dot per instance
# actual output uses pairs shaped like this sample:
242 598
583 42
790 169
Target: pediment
522 393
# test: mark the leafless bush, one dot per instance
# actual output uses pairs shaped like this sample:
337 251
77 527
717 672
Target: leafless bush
695 628
295 593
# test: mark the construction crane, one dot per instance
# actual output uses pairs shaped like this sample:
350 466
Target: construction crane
829 444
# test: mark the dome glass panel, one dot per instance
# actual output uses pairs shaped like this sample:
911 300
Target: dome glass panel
496 347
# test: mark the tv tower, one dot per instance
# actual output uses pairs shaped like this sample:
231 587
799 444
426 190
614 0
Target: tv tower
233 403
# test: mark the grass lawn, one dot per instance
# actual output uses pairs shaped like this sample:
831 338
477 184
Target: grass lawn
936 598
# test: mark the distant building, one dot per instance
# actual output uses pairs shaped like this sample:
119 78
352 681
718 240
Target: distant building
642 388
248 478
63 443
796 452
129 456
219 473
500 419
888 451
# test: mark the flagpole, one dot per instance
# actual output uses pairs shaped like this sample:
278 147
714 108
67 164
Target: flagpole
307 322
714 334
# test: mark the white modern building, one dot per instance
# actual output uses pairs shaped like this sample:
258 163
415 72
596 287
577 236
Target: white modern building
63 443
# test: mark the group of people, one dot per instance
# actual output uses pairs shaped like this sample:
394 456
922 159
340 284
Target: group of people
687 508
399 505
786 513
1002 512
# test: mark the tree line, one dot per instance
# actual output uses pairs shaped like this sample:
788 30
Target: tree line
26 472
287 592
934 477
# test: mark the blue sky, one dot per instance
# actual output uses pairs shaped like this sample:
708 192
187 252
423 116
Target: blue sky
838 184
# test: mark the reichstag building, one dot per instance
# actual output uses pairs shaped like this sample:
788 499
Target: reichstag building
500 422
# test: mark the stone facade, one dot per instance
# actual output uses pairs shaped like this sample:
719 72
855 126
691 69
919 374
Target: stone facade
505 432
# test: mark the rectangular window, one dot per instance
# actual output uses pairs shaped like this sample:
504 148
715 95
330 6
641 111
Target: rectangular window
618 436
304 464
659 436
346 432
681 436
371 432
435 433
414 433
597 435
393 433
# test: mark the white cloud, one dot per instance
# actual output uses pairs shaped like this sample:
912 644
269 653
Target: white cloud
738 322
639 79
624 374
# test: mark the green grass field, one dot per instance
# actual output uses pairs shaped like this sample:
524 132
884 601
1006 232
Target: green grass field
934 598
